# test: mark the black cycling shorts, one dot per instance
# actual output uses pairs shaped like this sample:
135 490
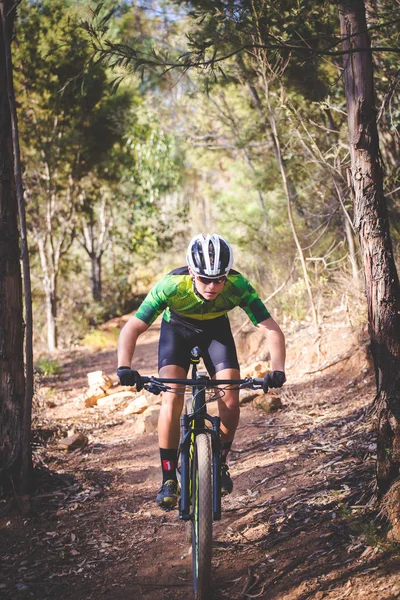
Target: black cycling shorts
213 336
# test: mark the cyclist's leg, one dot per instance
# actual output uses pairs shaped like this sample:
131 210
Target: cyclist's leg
173 363
168 437
222 363
229 412
171 408
228 405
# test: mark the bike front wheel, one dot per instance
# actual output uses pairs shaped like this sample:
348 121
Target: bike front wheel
202 517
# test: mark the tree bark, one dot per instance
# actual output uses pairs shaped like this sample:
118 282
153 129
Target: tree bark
371 222
352 250
96 277
51 319
12 381
26 450
94 239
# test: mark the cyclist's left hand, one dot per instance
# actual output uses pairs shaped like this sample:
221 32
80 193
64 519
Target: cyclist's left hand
128 376
274 379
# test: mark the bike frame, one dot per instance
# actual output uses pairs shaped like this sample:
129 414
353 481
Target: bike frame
194 423
200 502
191 425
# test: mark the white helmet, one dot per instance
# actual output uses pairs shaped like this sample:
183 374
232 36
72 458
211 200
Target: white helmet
209 256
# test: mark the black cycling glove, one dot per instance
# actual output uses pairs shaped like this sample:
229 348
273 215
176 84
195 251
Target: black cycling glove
127 376
273 379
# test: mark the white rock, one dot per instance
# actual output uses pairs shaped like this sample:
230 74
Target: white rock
122 397
98 379
147 422
106 402
137 406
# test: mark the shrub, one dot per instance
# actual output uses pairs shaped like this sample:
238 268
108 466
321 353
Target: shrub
47 366
101 340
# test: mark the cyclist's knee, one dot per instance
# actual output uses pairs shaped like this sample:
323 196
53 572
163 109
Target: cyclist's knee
230 406
231 399
172 402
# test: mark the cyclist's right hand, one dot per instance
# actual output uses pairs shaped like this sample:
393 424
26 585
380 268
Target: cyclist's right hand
128 376
273 379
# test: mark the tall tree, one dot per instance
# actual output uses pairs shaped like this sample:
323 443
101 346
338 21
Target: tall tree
371 221
12 382
70 121
51 124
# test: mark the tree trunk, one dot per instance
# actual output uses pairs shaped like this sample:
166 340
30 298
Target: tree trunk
352 249
51 319
96 277
26 446
371 221
94 238
12 382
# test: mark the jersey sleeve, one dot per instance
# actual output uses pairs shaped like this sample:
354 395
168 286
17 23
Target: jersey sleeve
156 301
252 304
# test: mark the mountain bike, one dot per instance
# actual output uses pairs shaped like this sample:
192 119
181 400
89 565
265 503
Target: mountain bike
200 463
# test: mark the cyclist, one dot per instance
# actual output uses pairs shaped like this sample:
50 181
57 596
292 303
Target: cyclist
195 300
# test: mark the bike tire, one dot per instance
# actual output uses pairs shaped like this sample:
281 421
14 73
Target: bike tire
187 410
202 517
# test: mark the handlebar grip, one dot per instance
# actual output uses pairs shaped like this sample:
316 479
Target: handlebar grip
260 381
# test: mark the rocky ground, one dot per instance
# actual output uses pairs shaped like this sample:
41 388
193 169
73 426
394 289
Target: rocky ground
301 523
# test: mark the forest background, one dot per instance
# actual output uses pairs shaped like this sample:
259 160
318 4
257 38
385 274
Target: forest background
143 123
125 157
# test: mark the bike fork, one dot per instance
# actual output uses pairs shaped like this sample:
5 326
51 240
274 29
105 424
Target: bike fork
216 458
184 504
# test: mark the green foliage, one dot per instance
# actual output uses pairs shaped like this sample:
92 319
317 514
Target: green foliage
47 366
182 149
98 163
367 527
294 301
68 118
101 340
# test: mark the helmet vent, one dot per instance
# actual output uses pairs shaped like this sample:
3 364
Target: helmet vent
209 256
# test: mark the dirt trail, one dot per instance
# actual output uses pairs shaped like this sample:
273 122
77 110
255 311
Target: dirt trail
298 525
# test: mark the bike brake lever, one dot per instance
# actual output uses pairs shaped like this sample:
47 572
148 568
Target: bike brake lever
155 388
249 384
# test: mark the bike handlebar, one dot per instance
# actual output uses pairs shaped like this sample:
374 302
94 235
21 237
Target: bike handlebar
156 384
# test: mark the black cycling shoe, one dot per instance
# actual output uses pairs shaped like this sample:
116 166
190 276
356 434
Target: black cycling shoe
226 481
167 496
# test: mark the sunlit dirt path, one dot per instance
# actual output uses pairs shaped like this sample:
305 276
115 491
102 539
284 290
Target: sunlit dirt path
298 525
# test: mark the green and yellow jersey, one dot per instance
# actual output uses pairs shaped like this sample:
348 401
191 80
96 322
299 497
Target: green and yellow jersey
175 292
